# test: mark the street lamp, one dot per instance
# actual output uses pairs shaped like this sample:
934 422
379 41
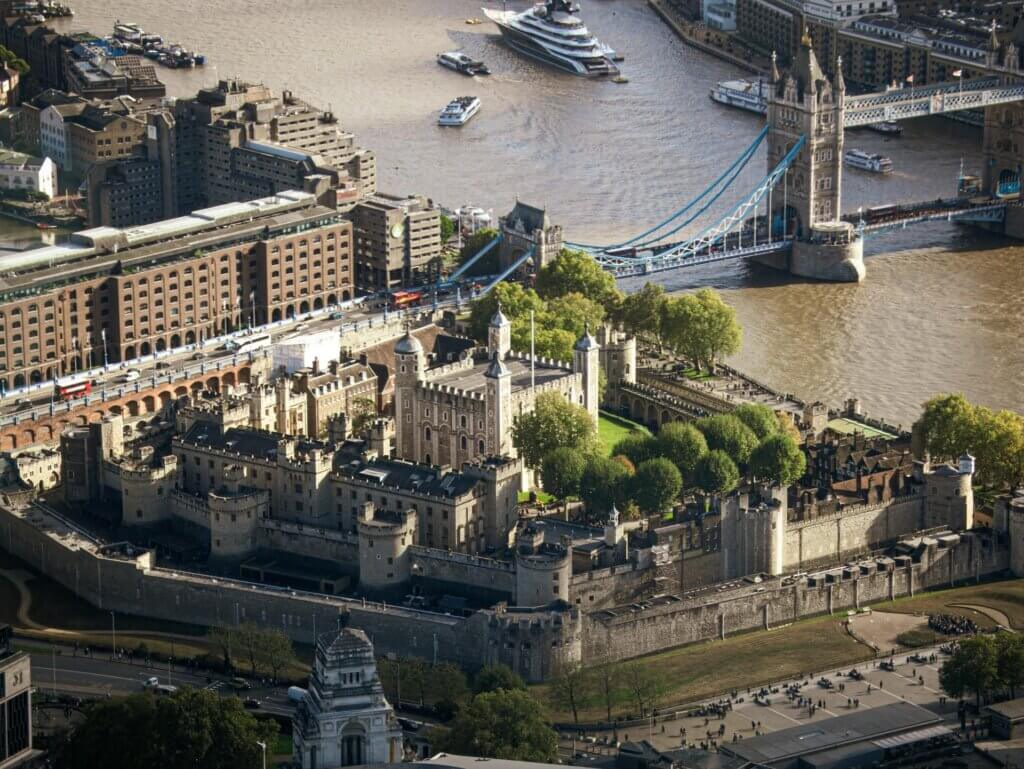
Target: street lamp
263 748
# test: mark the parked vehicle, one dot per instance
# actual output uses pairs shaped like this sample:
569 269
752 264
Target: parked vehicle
296 693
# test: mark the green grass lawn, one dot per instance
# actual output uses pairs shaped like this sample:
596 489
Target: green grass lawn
611 429
697 376
1006 596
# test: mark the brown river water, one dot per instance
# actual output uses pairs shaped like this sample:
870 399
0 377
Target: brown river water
941 308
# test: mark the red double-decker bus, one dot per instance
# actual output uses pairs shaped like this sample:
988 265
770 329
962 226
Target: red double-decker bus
68 391
401 299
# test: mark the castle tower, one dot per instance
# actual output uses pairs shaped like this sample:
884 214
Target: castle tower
949 495
524 228
410 366
344 718
384 540
586 360
618 359
499 334
499 408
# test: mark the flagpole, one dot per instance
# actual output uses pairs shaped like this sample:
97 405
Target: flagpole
533 354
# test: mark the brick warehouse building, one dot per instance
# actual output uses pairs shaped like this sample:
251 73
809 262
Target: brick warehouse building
118 294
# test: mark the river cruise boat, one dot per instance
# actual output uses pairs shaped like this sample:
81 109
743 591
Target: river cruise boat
459 111
749 95
460 62
886 127
864 161
553 33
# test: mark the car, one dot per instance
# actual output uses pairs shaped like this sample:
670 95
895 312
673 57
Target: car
151 682
162 364
198 355
239 683
301 327
251 703
131 375
165 689
336 315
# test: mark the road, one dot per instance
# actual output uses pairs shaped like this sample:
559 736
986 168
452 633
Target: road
97 676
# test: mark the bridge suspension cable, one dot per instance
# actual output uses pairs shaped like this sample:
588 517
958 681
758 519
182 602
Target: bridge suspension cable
730 173
712 235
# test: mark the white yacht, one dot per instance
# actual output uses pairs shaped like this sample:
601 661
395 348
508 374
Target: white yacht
552 32
744 94
864 161
460 62
459 111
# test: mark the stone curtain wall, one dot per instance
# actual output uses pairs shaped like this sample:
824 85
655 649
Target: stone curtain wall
627 632
831 539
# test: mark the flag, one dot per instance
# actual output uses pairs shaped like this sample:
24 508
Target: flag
958 73
910 78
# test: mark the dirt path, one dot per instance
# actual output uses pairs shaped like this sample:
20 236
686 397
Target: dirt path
993 614
879 629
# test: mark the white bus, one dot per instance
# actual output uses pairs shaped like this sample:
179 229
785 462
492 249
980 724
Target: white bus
248 343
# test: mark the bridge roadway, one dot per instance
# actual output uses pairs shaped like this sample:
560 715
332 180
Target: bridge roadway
905 103
884 218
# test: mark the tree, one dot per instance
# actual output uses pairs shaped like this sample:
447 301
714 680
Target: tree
363 412
447 228
553 423
643 686
656 485
700 327
191 728
222 638
571 688
641 313
576 272
779 459
1010 662
682 444
451 689
787 425
488 263
947 425
607 685
716 473
727 433
971 669
501 724
759 418
605 482
275 652
637 447
494 677
574 312
562 470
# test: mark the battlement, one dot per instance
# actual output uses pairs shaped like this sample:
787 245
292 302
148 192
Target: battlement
438 393
851 510
463 559
541 361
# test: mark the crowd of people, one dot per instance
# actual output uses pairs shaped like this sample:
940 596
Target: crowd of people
952 624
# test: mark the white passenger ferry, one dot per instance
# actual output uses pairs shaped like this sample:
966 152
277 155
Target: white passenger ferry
459 111
743 94
864 161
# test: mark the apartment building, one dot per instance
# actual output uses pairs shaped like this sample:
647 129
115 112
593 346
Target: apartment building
236 141
113 294
397 241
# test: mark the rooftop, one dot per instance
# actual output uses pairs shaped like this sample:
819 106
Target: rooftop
406 476
1012 710
473 380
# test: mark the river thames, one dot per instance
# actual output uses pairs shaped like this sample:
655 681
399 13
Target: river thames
941 308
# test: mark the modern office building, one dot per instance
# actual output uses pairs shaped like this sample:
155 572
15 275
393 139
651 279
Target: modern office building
397 241
111 294
234 141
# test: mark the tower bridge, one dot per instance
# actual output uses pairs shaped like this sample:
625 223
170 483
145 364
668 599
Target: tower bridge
793 218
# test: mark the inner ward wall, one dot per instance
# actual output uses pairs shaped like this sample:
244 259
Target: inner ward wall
833 538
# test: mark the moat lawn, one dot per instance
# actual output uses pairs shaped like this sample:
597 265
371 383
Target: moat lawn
702 670
611 429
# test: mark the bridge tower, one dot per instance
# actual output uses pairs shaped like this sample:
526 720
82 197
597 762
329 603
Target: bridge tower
807 202
527 227
1004 124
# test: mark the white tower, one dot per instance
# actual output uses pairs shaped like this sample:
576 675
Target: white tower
586 360
499 334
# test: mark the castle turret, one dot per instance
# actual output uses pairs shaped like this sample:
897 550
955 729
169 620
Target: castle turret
499 407
384 540
410 368
543 570
586 360
499 334
949 495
